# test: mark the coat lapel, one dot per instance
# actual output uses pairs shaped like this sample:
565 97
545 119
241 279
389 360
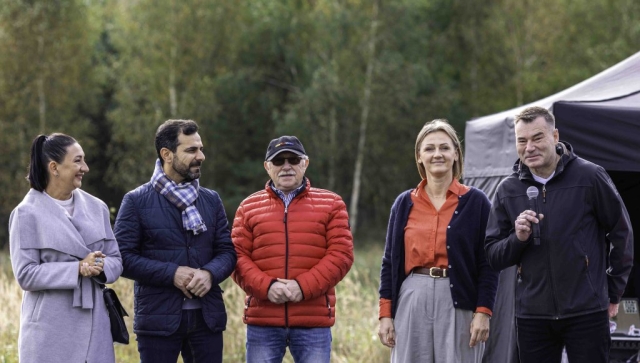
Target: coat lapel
48 216
88 219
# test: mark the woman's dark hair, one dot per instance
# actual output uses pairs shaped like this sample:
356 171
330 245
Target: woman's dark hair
45 149
167 134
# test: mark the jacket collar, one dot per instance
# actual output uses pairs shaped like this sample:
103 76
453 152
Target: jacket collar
303 189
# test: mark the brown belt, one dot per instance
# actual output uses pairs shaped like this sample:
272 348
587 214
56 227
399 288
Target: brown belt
431 271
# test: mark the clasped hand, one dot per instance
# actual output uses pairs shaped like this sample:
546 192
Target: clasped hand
93 264
192 282
284 290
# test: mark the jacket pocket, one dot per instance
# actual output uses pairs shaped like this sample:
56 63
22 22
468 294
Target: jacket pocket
586 272
326 296
534 294
247 304
35 312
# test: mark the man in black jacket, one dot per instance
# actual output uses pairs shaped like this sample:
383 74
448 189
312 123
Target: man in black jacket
175 243
570 279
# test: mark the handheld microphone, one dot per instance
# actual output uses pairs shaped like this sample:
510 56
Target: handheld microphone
532 193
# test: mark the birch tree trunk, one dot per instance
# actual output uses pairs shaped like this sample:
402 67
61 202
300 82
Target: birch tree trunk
364 119
173 100
42 104
333 142
42 100
173 97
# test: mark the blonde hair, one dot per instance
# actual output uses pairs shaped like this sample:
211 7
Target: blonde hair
444 126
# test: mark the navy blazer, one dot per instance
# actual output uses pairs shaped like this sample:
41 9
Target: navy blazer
153 244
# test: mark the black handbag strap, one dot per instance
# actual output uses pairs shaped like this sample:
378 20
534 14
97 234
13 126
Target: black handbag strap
113 298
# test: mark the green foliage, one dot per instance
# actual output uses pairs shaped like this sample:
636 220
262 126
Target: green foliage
109 72
46 75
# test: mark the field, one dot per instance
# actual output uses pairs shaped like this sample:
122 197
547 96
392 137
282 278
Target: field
354 335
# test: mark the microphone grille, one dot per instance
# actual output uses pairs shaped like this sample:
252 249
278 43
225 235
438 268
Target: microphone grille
532 192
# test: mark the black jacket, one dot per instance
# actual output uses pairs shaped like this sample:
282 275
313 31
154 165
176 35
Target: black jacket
153 244
586 249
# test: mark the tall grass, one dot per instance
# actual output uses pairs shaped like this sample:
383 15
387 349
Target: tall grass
354 334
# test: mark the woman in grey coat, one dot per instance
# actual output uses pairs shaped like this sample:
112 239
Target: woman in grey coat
61 244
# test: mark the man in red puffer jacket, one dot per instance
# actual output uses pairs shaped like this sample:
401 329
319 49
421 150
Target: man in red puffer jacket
294 245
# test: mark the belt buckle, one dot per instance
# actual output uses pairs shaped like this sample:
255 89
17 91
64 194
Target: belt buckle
432 270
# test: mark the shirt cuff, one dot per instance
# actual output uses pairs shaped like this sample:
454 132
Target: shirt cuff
384 308
482 309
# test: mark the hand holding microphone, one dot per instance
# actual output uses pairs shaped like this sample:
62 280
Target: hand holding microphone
527 221
532 193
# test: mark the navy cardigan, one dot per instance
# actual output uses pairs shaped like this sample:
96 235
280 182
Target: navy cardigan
473 282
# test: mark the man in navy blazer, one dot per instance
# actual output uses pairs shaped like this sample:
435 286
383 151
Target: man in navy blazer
175 244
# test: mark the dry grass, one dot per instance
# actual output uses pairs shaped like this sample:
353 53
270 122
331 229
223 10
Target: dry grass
354 335
10 301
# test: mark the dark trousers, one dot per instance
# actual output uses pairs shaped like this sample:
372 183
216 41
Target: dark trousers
193 338
585 337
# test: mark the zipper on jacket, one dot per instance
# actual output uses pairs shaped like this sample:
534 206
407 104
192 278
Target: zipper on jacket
286 262
187 238
286 246
553 286
549 256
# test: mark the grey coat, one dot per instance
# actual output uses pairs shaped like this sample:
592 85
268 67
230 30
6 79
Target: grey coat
63 317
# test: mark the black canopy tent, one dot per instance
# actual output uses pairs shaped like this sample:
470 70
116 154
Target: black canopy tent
600 117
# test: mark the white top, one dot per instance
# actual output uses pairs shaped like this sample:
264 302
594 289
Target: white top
66 204
539 179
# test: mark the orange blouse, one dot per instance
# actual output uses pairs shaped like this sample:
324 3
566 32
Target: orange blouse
425 235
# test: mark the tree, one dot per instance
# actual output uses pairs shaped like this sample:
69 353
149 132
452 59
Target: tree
45 73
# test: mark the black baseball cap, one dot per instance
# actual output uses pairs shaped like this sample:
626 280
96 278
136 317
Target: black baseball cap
282 144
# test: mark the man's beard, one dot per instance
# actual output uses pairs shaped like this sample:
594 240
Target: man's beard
185 171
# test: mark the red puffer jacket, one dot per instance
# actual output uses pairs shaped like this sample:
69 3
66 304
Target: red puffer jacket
310 242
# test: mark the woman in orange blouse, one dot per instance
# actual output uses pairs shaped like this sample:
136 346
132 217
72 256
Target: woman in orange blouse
436 287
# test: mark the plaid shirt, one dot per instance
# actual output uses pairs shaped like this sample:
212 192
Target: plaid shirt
287 198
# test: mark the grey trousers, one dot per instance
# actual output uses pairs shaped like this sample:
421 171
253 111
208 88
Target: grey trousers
428 328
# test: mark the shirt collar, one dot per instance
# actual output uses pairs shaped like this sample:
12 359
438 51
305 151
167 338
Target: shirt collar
293 193
455 187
